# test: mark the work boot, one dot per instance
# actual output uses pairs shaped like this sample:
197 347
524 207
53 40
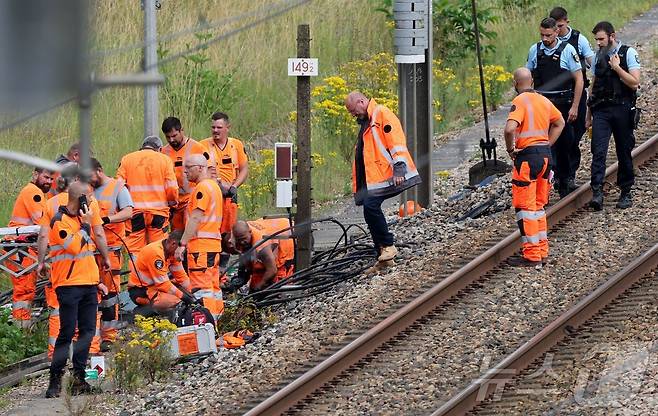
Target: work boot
379 266
625 200
79 386
597 198
54 385
523 262
388 253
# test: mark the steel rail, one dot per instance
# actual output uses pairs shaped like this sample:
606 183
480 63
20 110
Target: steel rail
548 337
365 344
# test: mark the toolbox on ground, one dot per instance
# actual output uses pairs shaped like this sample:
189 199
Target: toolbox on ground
193 340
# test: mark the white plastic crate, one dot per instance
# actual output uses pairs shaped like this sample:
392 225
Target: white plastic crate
193 340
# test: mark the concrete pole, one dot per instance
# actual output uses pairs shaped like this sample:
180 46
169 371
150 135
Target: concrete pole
151 111
303 215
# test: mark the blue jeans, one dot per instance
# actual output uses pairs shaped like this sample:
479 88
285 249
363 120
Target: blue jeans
613 120
78 305
372 213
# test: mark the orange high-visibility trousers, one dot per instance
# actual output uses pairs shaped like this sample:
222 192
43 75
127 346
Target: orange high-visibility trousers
24 289
530 189
108 306
144 228
203 270
54 325
178 218
229 215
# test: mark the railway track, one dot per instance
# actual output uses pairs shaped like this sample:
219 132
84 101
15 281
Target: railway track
604 304
364 359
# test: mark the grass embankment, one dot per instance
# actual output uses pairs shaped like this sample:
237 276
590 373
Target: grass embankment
518 29
341 30
260 95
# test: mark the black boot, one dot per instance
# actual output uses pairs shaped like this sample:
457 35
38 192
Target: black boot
625 199
54 385
597 198
79 385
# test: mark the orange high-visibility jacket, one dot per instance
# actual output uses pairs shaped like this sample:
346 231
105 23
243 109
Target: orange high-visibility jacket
107 202
384 145
282 248
71 251
191 147
226 160
61 199
29 207
154 268
534 113
150 178
207 197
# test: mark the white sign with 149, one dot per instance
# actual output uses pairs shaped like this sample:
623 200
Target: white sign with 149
302 67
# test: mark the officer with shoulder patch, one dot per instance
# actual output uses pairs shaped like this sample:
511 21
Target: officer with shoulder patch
585 54
611 110
558 76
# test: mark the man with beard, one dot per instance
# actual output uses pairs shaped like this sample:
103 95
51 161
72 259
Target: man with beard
179 148
28 209
612 111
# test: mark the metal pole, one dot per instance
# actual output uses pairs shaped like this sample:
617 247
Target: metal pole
479 54
303 215
151 112
84 120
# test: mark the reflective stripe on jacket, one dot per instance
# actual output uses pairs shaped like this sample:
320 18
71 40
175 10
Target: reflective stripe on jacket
207 196
71 252
384 145
150 178
191 147
154 270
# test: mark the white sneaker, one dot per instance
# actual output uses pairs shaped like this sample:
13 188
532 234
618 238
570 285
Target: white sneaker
388 253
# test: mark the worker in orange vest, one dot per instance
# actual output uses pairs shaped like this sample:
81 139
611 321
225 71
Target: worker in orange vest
151 285
75 279
179 148
382 167
533 125
52 207
271 260
150 178
71 156
116 207
202 238
28 209
228 158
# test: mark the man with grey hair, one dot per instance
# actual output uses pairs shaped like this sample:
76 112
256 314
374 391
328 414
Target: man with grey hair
150 178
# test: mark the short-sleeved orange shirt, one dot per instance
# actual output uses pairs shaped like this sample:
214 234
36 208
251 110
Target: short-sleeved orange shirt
534 113
29 206
226 160
207 197
191 147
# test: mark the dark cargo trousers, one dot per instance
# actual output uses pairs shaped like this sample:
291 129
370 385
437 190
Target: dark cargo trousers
612 119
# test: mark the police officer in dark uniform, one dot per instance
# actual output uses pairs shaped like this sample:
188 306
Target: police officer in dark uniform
585 54
611 110
558 76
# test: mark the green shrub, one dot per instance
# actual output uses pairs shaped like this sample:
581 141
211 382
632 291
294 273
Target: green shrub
16 343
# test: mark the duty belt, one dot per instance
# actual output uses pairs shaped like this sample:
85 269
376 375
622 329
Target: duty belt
558 97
